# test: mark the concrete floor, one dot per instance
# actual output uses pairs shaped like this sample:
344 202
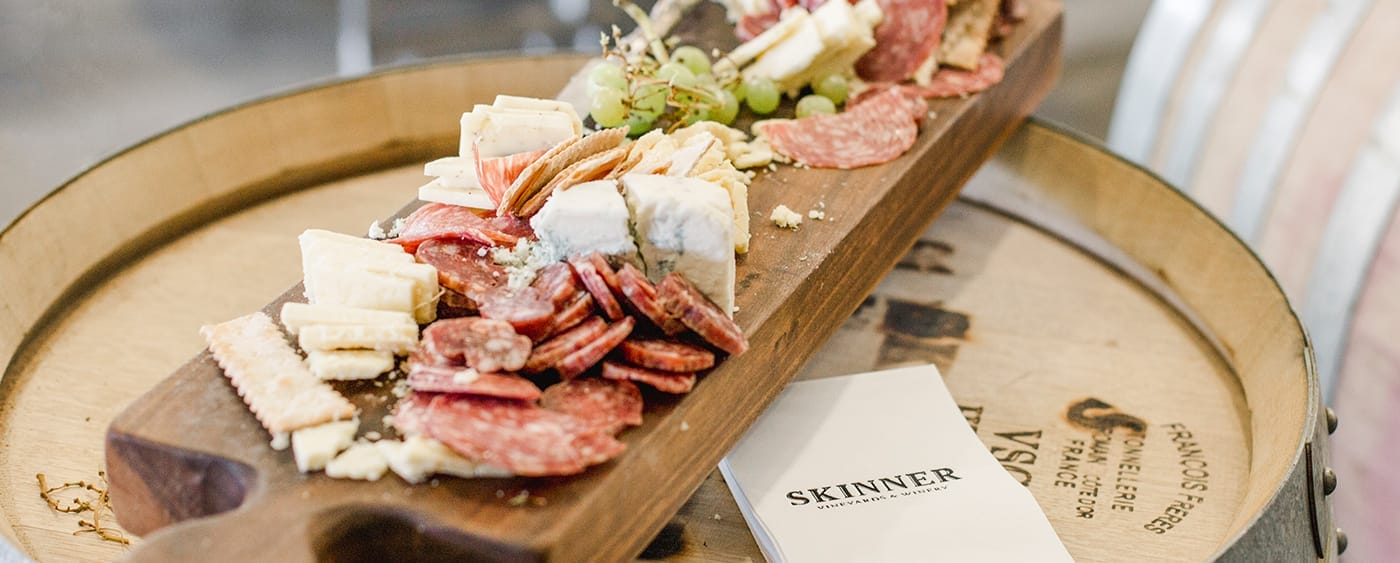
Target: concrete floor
81 80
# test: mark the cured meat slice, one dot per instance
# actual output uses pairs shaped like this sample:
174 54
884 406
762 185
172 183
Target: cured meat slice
557 283
572 313
875 131
592 168
954 83
485 344
667 355
443 221
641 295
512 226
597 286
750 26
411 414
549 352
528 312
452 304
603 404
496 174
591 353
517 436
907 36
682 299
663 381
449 379
463 267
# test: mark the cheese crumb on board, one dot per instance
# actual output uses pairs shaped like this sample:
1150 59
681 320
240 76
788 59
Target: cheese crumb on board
281 441
785 218
362 461
417 458
313 447
817 214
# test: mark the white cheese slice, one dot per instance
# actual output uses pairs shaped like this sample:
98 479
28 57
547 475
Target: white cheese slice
417 458
392 338
585 218
786 61
349 365
684 225
319 248
509 131
362 461
457 172
685 159
425 286
789 23
536 104
313 447
352 285
297 315
474 198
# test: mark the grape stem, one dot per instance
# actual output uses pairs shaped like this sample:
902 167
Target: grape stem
658 48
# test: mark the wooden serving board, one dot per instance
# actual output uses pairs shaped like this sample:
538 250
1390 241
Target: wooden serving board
190 450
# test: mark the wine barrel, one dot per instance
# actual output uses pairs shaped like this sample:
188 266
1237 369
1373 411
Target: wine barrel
1284 117
1073 301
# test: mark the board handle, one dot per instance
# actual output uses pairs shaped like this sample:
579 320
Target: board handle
254 532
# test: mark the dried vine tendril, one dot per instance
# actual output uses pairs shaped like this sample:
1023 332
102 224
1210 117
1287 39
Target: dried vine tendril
98 503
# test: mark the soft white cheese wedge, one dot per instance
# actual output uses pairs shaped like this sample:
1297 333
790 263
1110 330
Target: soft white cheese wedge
585 218
297 315
349 365
474 198
313 447
684 225
417 458
362 461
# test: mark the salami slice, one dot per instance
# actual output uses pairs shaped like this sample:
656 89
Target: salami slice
485 344
572 313
548 353
525 309
445 379
593 352
463 267
907 35
603 404
411 414
443 221
557 283
667 355
875 131
452 304
641 295
518 436
681 298
495 175
954 83
663 381
597 286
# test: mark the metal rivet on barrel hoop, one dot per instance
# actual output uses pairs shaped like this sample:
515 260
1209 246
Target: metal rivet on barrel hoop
1331 420
1329 480
1341 541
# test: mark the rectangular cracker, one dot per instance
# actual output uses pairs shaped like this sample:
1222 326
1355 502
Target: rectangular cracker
966 34
270 376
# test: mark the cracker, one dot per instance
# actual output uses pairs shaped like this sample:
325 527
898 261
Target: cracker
592 168
966 34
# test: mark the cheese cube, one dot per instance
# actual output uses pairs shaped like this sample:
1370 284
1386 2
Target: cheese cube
684 225
349 365
313 447
585 218
362 461
417 458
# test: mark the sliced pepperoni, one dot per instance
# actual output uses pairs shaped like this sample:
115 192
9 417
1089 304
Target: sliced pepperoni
667 355
596 285
485 344
606 405
605 270
572 313
875 131
663 381
498 173
525 309
548 353
641 295
557 283
681 298
907 35
447 379
453 222
518 436
591 353
463 267
510 226
411 414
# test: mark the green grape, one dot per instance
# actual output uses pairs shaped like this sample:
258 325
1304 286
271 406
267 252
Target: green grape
608 75
738 89
728 110
833 86
676 74
761 95
649 100
693 58
606 107
813 104
639 123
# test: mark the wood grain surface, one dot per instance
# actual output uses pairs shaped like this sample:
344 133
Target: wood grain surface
167 466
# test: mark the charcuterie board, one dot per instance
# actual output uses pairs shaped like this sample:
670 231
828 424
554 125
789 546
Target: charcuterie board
189 450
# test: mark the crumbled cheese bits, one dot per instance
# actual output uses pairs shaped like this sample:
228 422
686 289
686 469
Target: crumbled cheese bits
270 376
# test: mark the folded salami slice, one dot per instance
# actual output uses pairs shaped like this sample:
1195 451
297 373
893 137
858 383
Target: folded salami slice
485 344
571 314
641 295
528 312
548 353
663 381
667 355
593 352
875 131
607 405
557 283
517 436
451 379
497 174
681 298
463 267
597 285
906 38
443 221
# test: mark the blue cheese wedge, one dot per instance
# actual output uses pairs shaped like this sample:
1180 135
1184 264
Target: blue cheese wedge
315 446
585 218
684 225
362 461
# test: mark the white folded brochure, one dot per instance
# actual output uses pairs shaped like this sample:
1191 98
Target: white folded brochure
880 466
